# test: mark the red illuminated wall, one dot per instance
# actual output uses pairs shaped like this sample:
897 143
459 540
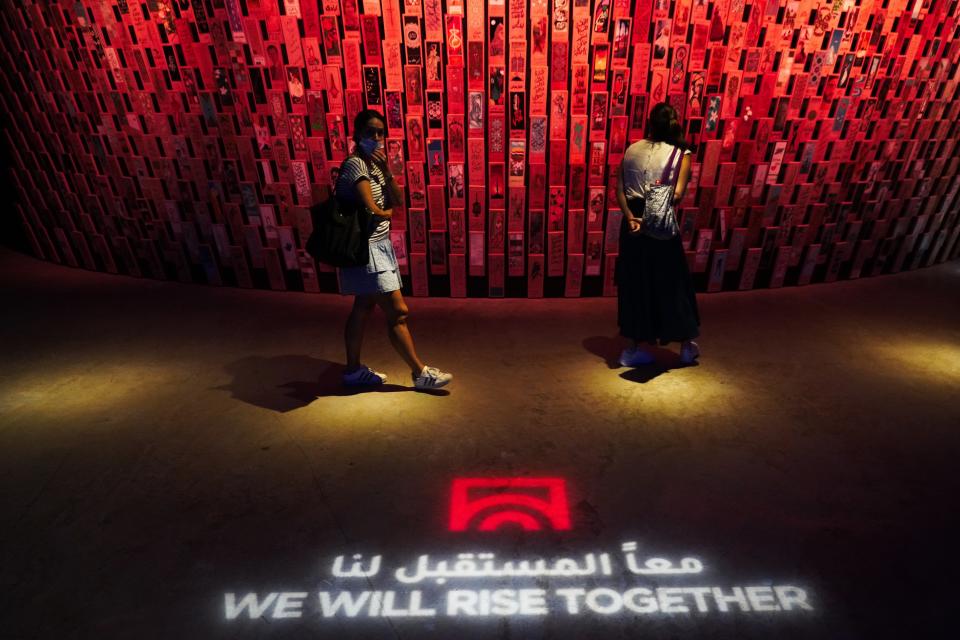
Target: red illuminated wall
186 139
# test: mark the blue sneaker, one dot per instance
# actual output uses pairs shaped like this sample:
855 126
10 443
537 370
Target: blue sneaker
635 357
689 352
364 376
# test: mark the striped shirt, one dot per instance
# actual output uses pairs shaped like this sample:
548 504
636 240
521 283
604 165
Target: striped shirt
352 171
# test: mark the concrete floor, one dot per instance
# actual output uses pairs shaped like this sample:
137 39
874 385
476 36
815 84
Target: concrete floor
165 445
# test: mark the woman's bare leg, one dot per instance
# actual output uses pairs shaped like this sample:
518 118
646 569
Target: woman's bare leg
395 308
353 332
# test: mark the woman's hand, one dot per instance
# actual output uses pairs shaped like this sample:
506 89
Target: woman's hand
634 225
379 157
386 214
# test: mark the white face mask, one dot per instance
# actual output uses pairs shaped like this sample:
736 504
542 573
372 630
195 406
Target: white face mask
369 145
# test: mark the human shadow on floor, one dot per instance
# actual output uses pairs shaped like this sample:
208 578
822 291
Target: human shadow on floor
285 383
608 348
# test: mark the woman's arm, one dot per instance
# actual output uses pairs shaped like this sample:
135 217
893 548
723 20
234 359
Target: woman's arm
682 179
621 197
632 221
380 159
395 193
365 195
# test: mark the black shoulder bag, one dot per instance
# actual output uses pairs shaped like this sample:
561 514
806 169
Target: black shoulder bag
341 233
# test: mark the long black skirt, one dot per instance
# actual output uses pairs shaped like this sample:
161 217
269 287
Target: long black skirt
656 301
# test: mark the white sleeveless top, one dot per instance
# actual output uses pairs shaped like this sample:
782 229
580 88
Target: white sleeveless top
643 164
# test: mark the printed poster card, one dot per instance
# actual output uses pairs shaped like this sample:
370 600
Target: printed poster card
271 259
477 253
476 68
559 65
579 88
517 163
594 253
621 41
455 90
456 184
557 207
458 230
612 238
575 230
497 136
596 203
574 275
418 230
535 232
392 65
516 209
558 115
454 39
437 206
580 33
497 89
515 263
578 139
458 275
609 275
539 30
435 121
704 242
434 65
601 63
809 264
475 120
535 275
435 161
641 66
618 93
477 217
538 90
518 118
538 185
496 184
414 88
496 229
751 263
476 162
438 252
599 102
555 254
538 139
517 80
372 87
418 275
495 281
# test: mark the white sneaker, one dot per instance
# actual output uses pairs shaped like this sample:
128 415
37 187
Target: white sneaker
364 376
431 378
636 357
689 352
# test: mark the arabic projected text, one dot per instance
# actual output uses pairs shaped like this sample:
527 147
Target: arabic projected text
478 585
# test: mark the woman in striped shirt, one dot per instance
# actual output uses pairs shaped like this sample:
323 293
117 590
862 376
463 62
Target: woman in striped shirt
365 179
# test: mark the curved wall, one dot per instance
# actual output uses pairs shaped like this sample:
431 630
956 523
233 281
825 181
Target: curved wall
186 138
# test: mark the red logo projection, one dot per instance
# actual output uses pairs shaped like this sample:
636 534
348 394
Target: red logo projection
486 504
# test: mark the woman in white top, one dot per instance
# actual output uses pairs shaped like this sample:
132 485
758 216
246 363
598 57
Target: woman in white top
365 178
656 298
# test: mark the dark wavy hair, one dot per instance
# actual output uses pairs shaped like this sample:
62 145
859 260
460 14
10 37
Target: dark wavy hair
663 125
361 120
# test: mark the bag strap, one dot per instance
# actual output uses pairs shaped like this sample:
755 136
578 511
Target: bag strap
669 167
